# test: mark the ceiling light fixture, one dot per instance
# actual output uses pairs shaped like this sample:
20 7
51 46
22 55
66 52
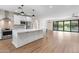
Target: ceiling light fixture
23 13
21 8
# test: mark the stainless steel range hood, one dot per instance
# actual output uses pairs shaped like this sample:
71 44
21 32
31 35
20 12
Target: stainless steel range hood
6 16
6 20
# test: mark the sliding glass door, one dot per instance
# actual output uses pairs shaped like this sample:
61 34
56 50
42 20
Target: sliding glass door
69 25
60 25
74 26
55 25
66 25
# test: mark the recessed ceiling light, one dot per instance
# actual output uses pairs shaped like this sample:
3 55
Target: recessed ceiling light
51 6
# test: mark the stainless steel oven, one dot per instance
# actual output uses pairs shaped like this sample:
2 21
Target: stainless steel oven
6 33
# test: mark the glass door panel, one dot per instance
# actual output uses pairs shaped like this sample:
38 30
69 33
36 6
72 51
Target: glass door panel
55 25
66 25
60 25
74 26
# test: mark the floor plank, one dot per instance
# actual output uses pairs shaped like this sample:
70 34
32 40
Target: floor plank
54 42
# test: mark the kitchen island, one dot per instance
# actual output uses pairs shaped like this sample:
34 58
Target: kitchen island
22 37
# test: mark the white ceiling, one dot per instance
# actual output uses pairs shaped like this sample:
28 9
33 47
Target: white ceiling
43 11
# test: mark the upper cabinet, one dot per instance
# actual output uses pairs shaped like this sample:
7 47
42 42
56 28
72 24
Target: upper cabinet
28 19
19 18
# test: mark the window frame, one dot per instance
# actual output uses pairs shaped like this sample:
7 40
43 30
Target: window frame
58 25
63 25
78 25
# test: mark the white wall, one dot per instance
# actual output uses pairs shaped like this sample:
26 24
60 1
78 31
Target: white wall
43 23
50 25
59 12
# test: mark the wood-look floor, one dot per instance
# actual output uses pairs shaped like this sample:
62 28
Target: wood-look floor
55 42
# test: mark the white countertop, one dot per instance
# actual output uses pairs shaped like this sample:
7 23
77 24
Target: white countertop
25 30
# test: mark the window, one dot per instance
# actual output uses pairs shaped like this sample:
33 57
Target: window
74 26
66 25
60 25
55 25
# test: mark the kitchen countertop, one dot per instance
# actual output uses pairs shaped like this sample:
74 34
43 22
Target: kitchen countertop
25 30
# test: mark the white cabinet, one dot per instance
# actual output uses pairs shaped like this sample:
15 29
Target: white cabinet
22 37
28 19
23 18
17 19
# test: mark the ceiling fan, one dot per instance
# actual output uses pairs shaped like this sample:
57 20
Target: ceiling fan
23 13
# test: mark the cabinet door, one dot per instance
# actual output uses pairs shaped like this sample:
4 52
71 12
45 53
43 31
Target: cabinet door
28 19
22 18
16 19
